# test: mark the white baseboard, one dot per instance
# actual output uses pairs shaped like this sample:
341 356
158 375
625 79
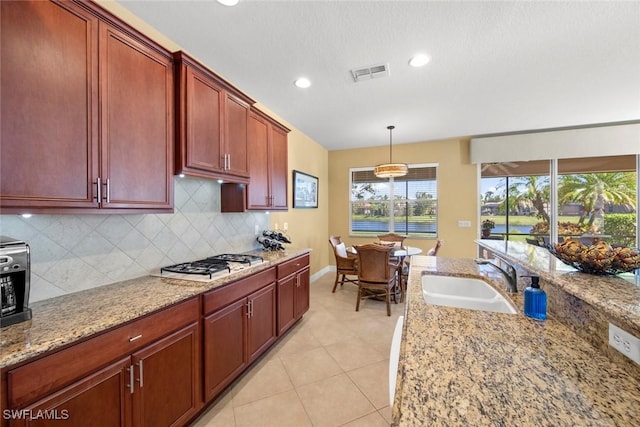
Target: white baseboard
327 269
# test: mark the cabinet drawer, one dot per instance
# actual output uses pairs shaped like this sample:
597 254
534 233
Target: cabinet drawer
30 381
233 291
293 265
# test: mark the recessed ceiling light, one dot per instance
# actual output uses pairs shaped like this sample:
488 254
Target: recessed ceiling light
419 60
303 82
228 2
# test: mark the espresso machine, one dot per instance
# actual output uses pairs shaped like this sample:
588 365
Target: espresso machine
15 278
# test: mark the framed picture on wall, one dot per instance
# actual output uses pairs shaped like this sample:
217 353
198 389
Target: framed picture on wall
305 190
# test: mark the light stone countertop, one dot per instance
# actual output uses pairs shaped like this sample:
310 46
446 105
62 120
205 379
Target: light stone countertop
462 367
65 319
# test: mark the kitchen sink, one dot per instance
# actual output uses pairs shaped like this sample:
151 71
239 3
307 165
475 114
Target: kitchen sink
464 292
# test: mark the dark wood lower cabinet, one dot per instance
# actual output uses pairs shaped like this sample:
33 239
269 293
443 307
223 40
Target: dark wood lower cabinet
167 385
161 369
224 344
236 335
99 400
145 373
261 327
293 291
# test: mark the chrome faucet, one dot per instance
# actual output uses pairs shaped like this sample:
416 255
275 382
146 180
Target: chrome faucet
509 273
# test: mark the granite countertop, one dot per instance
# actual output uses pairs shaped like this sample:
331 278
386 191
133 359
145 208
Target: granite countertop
617 296
63 320
463 367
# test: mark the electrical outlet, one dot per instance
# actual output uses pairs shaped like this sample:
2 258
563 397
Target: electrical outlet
464 224
624 342
256 230
286 226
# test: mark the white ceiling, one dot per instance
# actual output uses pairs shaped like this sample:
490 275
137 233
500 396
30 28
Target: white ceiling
496 66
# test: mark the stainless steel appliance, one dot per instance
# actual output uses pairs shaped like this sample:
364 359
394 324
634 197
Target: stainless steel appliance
211 267
15 278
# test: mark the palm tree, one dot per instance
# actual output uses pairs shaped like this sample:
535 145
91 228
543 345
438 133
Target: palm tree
530 192
595 189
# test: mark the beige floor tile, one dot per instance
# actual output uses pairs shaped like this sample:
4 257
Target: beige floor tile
334 401
373 381
280 410
309 366
298 340
386 413
378 329
219 415
354 353
330 368
372 420
265 380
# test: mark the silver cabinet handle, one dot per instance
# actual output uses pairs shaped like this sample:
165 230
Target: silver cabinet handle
229 161
98 190
141 374
130 385
108 198
249 309
137 337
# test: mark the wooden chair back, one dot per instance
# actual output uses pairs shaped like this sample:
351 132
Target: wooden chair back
334 240
374 263
434 250
396 239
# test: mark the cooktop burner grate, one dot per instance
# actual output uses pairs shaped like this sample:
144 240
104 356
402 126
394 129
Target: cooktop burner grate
241 258
205 267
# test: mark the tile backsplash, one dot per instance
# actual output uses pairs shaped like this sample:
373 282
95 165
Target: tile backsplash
70 253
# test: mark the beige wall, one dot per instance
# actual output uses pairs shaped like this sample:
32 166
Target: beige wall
307 227
457 191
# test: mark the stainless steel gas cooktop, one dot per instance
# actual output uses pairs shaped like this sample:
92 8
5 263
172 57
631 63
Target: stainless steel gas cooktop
211 267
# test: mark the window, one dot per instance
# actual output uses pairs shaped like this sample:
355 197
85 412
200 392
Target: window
405 205
596 196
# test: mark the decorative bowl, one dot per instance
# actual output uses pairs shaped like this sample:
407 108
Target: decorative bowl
599 259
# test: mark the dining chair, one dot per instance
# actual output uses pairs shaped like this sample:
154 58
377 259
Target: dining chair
393 240
377 275
404 275
346 263
396 239
434 250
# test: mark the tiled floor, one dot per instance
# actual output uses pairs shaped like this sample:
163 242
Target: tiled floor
330 370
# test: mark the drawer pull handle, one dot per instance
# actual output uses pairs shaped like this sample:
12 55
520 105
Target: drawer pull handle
132 339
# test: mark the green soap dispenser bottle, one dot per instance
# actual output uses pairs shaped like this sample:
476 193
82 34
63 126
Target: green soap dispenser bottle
535 300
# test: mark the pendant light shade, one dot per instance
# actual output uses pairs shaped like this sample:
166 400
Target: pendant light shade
391 170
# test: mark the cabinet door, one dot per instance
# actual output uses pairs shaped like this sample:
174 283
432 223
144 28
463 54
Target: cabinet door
224 347
101 399
279 169
286 303
258 155
237 114
49 104
136 95
303 280
203 127
262 322
166 375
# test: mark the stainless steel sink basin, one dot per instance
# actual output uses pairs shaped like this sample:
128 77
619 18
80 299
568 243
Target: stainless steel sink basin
464 292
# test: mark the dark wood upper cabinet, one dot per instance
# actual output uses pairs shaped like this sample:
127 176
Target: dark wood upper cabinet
49 104
211 117
268 168
87 112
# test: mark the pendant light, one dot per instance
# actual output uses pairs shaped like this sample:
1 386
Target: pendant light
391 170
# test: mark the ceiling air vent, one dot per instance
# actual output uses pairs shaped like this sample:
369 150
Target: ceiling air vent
371 72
